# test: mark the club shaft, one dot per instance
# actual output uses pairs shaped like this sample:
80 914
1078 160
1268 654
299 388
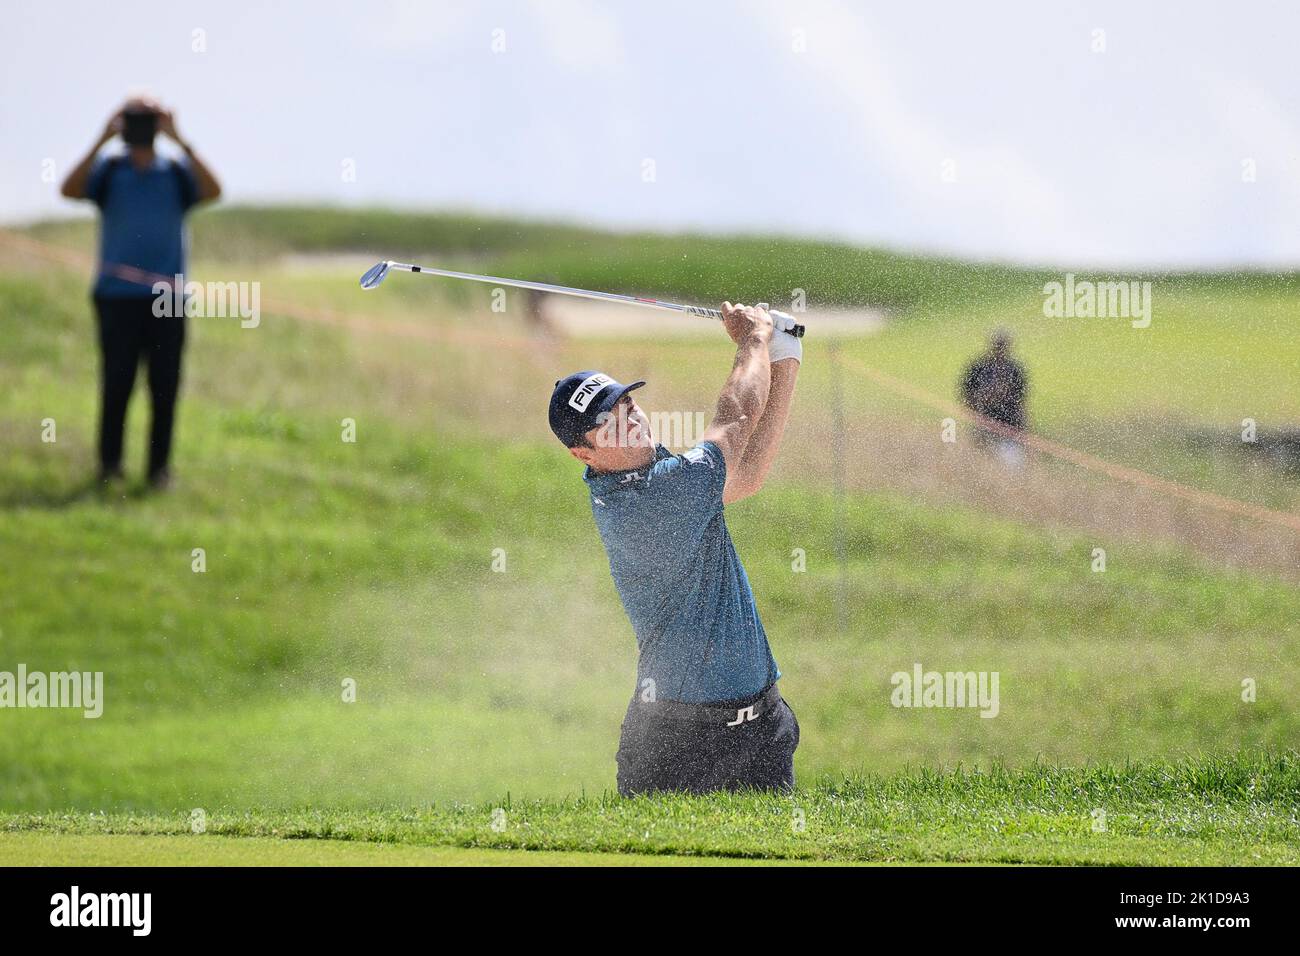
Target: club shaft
569 290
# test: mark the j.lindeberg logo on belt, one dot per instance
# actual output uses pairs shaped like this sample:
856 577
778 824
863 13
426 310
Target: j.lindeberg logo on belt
743 715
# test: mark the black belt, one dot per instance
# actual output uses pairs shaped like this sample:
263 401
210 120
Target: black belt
731 713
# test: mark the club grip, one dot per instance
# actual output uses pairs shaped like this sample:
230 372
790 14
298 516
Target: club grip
797 331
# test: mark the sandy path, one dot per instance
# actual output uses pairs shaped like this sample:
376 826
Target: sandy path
584 317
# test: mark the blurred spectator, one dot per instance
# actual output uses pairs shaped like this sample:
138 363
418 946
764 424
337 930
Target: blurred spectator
535 311
142 199
994 386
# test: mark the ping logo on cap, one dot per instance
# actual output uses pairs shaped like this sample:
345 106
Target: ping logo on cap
590 387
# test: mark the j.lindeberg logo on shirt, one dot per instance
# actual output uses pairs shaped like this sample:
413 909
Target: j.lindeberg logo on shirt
699 455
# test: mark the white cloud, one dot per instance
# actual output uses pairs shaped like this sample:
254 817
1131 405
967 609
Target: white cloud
995 183
1132 157
1255 126
402 26
579 35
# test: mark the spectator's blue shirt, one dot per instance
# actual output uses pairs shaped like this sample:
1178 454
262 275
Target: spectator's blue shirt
142 222
680 580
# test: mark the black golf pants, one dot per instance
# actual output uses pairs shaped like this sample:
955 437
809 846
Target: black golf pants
129 333
698 749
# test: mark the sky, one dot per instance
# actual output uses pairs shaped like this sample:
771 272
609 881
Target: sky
1076 134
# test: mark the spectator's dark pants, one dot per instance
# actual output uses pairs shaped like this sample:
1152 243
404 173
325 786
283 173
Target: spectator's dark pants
128 333
703 748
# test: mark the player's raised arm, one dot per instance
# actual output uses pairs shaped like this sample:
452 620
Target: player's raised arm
744 396
786 353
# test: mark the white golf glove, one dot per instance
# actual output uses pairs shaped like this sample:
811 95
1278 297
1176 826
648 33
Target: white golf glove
782 345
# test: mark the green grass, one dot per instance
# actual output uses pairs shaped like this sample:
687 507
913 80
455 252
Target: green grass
1213 811
371 561
707 267
1169 399
26 848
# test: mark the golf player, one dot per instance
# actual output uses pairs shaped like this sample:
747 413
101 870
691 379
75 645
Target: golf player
706 714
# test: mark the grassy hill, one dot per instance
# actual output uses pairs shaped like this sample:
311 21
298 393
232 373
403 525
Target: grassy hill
708 268
371 561
1169 399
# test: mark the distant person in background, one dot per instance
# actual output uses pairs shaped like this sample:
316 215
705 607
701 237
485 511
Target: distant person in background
994 386
142 199
535 311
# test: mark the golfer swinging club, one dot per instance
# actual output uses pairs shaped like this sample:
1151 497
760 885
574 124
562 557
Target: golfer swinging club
706 714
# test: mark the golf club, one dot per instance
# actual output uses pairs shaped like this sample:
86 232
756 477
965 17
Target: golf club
378 272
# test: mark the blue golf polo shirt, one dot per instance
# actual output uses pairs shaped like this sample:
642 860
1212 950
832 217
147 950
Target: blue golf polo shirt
680 579
142 221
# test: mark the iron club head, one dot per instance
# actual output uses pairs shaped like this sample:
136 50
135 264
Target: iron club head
375 274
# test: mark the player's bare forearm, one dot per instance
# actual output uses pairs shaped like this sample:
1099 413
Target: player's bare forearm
744 396
741 402
765 442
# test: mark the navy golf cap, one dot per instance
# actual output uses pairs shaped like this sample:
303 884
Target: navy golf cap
579 400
